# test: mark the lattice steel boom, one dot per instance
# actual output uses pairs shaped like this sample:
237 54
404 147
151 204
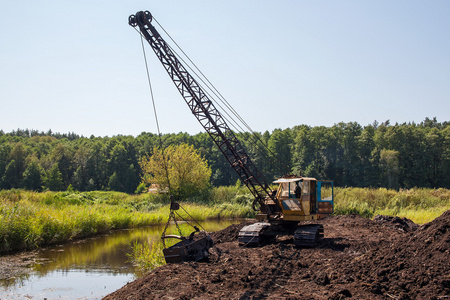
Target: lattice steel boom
204 110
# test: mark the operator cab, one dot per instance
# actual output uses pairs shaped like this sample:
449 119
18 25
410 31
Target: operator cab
297 196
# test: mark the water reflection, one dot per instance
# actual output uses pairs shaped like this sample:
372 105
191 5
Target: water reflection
99 259
106 253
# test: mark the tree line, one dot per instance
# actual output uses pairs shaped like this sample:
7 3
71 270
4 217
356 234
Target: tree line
376 155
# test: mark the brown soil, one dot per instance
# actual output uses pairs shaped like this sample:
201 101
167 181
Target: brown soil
384 258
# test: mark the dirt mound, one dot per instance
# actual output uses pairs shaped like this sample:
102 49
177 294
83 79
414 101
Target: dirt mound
402 224
436 234
228 234
416 265
359 259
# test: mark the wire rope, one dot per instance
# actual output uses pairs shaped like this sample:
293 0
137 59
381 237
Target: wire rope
156 117
172 214
221 98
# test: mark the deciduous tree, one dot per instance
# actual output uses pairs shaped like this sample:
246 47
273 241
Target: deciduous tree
32 177
188 173
53 180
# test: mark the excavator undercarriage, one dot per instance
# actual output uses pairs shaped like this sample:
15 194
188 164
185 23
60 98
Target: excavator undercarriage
257 234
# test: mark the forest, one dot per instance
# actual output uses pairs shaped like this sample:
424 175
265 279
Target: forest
376 155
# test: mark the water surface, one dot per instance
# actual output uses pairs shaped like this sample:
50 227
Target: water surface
86 269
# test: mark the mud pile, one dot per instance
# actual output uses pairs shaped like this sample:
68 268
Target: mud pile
403 224
384 258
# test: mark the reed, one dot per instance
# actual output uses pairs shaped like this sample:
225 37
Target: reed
29 220
148 256
419 204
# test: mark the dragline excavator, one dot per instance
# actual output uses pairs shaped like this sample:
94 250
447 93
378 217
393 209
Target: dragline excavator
298 201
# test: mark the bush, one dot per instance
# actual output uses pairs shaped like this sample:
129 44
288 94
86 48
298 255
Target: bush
140 189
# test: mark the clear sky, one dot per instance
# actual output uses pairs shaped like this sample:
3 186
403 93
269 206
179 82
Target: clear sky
77 66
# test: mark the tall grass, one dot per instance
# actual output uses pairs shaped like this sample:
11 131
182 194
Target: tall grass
29 220
419 204
149 255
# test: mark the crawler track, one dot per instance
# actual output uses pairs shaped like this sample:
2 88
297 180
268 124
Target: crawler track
308 235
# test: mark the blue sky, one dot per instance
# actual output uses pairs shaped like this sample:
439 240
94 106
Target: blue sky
77 66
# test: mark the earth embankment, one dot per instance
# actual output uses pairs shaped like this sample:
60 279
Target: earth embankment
384 258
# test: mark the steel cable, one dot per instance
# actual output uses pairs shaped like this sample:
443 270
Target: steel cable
156 116
222 99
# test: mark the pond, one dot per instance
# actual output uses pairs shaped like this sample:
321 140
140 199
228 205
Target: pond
86 269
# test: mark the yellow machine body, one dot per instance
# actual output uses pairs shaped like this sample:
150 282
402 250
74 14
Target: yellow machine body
301 199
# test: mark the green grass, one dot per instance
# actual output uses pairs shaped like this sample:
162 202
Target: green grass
146 256
419 204
29 220
149 255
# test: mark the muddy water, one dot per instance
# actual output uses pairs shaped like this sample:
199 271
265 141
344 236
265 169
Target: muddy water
86 269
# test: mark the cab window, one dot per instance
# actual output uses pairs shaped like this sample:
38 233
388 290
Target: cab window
305 189
290 189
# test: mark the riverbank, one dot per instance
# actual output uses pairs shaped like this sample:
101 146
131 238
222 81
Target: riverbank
30 220
419 205
383 258
16 266
80 269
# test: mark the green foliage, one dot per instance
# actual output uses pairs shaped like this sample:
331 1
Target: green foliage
179 168
389 166
141 188
11 177
280 143
114 183
53 180
32 177
29 220
223 194
70 189
378 155
147 256
370 202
